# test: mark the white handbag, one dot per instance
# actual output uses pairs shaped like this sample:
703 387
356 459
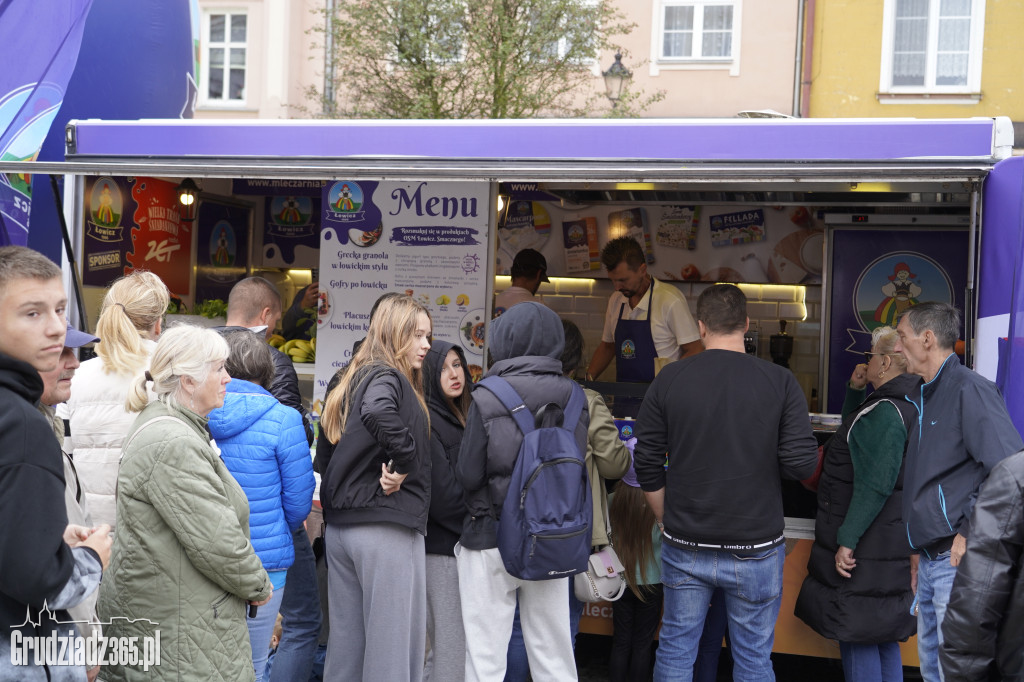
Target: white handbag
604 579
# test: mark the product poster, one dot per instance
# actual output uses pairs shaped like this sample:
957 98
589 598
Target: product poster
524 224
133 223
222 253
582 255
291 232
632 223
880 274
424 239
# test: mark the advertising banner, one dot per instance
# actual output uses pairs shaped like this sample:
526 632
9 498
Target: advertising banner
882 273
291 232
222 251
271 187
424 239
39 43
133 223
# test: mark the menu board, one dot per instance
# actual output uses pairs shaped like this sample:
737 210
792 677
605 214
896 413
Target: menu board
133 223
425 239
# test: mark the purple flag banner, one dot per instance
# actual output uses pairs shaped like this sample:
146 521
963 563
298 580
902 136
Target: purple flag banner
42 37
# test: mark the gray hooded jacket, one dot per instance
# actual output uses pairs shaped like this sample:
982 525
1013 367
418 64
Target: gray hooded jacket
526 343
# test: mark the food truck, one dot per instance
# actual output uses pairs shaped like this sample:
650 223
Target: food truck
831 227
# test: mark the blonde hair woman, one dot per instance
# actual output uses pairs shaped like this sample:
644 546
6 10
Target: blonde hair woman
129 326
376 518
183 563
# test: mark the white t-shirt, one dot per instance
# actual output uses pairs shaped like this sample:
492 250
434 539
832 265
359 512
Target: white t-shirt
671 326
512 296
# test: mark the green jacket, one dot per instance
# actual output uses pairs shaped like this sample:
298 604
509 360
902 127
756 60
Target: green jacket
607 458
181 559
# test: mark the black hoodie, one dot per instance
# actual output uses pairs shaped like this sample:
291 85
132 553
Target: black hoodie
447 505
526 343
35 562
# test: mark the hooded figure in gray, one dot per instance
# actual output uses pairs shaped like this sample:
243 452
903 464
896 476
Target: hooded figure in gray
526 344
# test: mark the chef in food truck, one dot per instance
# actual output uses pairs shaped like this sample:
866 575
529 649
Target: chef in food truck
646 319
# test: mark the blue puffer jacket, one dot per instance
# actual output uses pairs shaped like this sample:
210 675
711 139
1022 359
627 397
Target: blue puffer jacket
263 445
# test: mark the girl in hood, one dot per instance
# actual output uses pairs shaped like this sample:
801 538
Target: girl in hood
447 385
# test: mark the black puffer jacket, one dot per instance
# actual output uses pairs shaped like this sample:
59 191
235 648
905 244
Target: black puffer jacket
447 504
872 606
526 342
385 422
983 630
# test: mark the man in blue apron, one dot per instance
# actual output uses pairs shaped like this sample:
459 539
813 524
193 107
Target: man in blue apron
645 319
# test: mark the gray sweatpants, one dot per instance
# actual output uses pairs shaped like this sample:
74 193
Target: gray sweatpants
378 603
446 661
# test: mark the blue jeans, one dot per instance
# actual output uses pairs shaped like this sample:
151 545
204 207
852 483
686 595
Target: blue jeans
871 662
753 593
300 616
710 647
261 628
517 665
934 583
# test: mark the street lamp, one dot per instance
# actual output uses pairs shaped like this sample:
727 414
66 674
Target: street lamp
615 80
187 193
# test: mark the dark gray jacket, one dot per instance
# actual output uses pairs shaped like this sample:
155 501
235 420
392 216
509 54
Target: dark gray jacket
526 343
962 430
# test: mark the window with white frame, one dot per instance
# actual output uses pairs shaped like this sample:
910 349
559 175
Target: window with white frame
223 71
932 46
697 30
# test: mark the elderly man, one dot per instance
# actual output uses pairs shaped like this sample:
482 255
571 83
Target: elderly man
961 433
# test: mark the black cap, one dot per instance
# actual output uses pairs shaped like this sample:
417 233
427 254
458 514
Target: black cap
530 260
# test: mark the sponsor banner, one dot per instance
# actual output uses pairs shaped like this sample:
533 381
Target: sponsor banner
291 231
222 253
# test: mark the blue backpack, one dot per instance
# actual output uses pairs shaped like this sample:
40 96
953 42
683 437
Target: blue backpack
544 528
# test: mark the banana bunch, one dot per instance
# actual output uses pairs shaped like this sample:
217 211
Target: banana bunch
300 350
276 340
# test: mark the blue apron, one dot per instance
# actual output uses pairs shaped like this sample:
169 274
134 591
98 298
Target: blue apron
634 346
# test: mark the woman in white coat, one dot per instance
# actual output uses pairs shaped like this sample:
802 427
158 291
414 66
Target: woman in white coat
130 320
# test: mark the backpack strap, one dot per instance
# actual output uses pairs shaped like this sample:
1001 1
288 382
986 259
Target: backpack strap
574 408
504 392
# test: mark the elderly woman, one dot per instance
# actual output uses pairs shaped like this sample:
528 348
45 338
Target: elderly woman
858 590
182 562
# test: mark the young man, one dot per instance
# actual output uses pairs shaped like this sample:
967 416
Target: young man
529 269
37 566
526 344
731 424
645 319
962 432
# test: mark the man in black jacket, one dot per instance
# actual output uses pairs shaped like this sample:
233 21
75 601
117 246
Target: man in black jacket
526 345
962 431
37 566
984 624
732 425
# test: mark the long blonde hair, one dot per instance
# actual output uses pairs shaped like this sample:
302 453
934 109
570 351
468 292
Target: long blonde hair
131 310
388 342
185 350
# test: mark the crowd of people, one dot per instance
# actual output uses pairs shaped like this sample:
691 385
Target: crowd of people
161 490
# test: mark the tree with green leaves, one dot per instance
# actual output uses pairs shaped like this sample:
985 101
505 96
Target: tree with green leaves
469 59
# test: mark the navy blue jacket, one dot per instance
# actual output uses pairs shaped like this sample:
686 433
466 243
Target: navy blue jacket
263 445
962 430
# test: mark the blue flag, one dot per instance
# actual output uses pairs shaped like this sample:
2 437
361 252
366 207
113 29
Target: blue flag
39 43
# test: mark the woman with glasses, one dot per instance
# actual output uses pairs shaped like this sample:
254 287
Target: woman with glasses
859 587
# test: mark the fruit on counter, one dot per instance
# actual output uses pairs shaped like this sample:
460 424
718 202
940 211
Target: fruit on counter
443 300
276 340
462 300
299 350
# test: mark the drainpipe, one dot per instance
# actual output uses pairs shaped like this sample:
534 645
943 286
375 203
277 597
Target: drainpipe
808 58
328 101
798 67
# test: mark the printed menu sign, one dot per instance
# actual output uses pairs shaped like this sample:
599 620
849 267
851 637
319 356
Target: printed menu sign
424 239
